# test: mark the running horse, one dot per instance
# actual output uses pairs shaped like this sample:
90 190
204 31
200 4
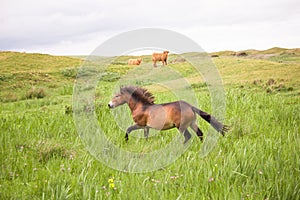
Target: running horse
146 114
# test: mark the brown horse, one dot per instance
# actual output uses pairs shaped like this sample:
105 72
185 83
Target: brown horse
160 57
165 116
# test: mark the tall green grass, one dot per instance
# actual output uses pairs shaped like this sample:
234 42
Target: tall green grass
42 156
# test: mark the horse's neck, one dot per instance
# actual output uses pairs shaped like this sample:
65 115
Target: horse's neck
134 106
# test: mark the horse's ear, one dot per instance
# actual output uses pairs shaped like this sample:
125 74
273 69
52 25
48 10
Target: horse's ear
121 88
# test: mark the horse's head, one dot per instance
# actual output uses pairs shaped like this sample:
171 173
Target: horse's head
117 100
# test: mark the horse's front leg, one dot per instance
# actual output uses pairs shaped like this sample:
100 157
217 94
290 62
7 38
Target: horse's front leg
154 63
146 132
132 128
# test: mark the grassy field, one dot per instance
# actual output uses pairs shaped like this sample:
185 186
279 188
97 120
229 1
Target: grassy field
42 156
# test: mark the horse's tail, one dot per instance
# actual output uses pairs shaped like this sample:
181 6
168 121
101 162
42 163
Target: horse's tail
212 120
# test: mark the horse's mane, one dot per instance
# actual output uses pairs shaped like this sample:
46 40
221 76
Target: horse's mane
139 94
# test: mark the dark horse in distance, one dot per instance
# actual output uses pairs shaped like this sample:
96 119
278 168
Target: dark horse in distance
146 114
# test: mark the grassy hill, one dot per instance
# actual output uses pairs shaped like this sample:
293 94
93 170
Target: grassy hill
21 73
274 54
43 157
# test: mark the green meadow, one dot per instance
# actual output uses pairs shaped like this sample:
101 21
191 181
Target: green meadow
42 155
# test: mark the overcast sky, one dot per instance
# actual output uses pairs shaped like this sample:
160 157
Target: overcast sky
77 27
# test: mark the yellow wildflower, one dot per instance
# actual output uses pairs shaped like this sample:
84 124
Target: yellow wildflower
112 185
111 180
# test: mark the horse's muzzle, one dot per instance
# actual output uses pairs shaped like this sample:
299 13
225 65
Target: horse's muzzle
110 106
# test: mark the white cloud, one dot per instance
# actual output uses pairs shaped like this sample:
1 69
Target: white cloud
79 26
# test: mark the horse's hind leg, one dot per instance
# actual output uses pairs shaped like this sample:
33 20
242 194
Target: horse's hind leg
197 130
187 136
185 132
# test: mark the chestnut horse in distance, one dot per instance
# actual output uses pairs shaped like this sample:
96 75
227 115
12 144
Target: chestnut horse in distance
146 114
163 57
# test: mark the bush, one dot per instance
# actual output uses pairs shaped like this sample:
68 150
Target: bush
9 97
199 85
68 110
35 93
241 54
257 82
6 77
290 89
270 82
69 72
110 77
269 90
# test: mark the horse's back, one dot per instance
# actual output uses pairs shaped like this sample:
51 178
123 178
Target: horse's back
180 112
181 105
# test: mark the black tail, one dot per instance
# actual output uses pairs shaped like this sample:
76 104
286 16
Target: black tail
212 120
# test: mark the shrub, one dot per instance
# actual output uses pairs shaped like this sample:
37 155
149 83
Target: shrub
199 85
257 82
69 72
68 109
9 97
271 82
269 90
110 77
35 93
6 77
290 89
49 150
118 63
241 54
